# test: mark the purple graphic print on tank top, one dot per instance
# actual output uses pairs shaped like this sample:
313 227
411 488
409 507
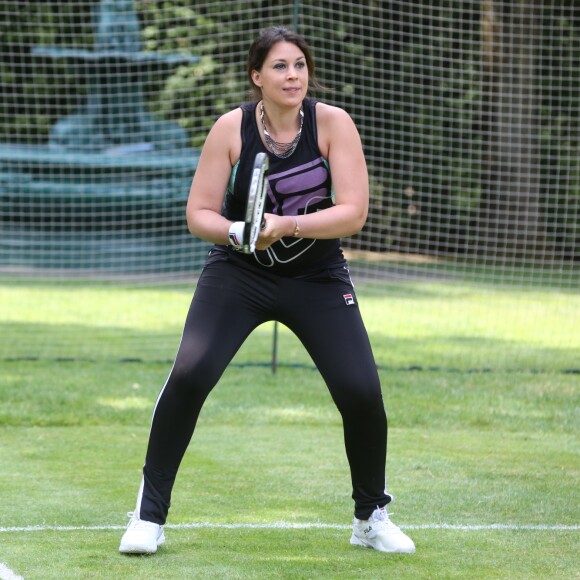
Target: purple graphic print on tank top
292 192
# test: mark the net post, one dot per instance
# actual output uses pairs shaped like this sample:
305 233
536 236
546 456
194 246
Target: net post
275 348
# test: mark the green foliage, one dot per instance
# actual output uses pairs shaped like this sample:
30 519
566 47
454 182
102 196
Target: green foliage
560 127
412 78
36 94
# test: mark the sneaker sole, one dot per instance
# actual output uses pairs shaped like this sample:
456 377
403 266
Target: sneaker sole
356 541
135 549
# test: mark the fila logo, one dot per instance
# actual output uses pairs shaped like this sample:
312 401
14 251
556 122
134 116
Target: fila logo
349 299
234 240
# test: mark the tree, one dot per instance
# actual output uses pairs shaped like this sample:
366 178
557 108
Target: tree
509 222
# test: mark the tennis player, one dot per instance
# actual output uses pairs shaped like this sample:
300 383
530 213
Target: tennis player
318 192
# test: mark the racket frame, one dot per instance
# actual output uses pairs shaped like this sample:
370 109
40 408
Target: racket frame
255 205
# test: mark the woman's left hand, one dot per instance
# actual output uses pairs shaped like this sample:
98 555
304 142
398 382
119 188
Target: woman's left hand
276 228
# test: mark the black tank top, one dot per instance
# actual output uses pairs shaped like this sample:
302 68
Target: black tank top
297 185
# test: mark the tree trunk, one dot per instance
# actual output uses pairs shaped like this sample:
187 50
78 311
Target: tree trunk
509 224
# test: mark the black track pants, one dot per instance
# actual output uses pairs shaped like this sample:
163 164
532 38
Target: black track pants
230 301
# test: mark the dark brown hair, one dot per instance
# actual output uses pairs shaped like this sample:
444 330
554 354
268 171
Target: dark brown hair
261 47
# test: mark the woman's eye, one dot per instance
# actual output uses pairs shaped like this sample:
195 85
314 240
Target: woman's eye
300 64
279 66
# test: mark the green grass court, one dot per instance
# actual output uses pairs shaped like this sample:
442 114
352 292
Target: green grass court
482 388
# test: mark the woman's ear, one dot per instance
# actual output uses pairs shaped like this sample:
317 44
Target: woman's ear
257 78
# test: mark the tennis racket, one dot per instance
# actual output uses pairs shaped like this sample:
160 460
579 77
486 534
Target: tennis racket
256 201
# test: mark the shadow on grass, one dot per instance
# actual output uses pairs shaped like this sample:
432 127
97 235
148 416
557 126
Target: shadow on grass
453 353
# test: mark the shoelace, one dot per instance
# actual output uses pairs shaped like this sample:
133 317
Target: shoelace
383 516
135 522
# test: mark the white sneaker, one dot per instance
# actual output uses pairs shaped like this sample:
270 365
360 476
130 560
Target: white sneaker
141 537
380 533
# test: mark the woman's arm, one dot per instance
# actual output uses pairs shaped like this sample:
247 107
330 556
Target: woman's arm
220 152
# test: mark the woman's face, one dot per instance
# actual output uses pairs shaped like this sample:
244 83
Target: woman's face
283 77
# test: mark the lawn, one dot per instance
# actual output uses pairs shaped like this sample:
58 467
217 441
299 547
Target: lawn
482 391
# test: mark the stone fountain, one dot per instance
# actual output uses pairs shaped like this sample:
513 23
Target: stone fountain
108 190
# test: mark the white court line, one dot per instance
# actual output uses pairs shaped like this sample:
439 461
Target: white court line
7 574
303 526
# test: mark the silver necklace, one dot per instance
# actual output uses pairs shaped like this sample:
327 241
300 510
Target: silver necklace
281 150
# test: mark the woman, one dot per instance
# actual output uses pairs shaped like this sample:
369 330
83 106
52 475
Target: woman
297 275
